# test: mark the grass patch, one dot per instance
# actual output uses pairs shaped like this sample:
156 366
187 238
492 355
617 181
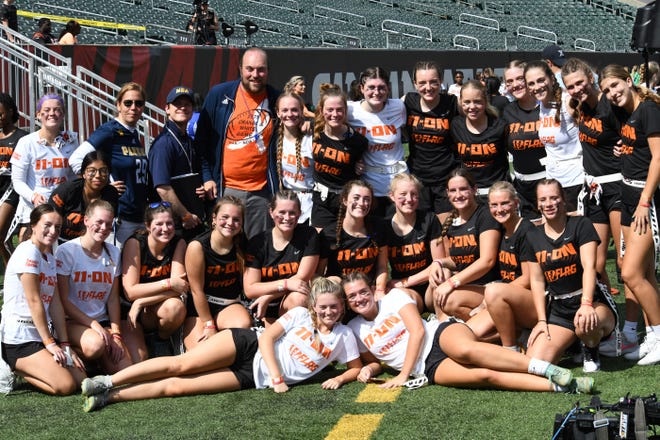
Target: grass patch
308 412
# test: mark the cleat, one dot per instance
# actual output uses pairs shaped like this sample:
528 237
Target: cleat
560 376
95 385
591 359
96 401
582 385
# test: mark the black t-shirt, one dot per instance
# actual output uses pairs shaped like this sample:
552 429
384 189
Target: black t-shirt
432 155
7 146
484 154
353 254
68 200
411 253
464 242
523 138
277 265
334 161
223 276
513 251
635 151
599 133
560 259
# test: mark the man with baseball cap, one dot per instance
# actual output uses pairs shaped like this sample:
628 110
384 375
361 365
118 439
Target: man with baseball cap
554 56
175 166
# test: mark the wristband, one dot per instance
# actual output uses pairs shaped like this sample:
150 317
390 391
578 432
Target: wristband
280 287
209 325
49 341
65 344
439 261
454 282
117 336
645 205
277 380
587 303
404 282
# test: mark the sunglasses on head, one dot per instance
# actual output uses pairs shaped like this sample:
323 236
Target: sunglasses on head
130 102
157 204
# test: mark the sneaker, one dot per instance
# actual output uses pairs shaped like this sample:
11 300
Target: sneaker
653 356
7 378
608 347
582 385
560 376
95 385
591 359
97 401
642 349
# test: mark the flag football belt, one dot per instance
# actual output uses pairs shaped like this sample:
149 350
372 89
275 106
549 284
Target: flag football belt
397 168
567 295
221 301
529 177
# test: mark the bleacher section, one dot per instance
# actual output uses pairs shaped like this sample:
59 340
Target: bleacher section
420 24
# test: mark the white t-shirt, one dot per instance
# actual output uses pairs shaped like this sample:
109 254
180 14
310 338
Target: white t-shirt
383 131
37 167
298 355
90 280
562 146
18 326
386 337
303 181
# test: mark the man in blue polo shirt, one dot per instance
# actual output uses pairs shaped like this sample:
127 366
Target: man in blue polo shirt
175 166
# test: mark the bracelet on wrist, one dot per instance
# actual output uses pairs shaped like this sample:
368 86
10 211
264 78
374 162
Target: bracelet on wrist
454 282
65 344
587 303
49 341
277 380
404 282
439 261
644 205
280 286
542 320
117 336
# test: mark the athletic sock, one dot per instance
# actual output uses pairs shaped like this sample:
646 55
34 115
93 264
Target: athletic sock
630 330
656 330
538 367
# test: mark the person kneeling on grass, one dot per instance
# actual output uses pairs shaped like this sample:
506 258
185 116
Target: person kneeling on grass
445 353
298 345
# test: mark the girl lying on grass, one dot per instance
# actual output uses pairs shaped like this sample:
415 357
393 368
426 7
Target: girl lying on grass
447 353
298 345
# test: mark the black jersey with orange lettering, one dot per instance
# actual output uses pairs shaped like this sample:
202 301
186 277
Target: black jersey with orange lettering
599 133
411 253
353 254
635 151
432 155
560 258
223 276
7 146
523 138
513 251
464 242
334 161
484 154
277 265
68 200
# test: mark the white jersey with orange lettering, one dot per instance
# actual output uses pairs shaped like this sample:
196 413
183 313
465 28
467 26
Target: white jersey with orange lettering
90 279
38 168
18 326
302 351
386 337
384 156
300 180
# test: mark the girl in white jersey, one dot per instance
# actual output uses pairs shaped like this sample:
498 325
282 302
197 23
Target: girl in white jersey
390 331
88 272
557 130
41 160
381 120
295 163
300 344
32 309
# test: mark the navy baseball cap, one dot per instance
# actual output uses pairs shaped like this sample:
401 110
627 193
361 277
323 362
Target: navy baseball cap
179 91
555 54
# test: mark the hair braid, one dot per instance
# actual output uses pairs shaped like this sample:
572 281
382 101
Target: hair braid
299 163
557 95
280 143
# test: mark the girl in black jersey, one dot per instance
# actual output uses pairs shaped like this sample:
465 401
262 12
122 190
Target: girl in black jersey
412 242
431 148
72 197
510 303
640 160
356 242
281 262
337 150
562 255
9 136
214 265
471 239
480 137
154 280
528 152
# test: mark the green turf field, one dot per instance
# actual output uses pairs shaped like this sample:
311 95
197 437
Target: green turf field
308 412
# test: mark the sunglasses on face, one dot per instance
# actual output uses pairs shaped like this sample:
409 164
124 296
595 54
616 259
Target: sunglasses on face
129 103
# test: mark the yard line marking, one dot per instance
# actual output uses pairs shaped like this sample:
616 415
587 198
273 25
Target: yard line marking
373 394
355 427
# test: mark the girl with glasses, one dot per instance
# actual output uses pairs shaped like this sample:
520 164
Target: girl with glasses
155 284
72 198
119 141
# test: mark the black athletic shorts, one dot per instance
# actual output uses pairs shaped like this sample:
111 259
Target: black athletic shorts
527 195
13 352
324 212
247 344
434 197
610 200
562 312
191 311
572 193
436 355
629 205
